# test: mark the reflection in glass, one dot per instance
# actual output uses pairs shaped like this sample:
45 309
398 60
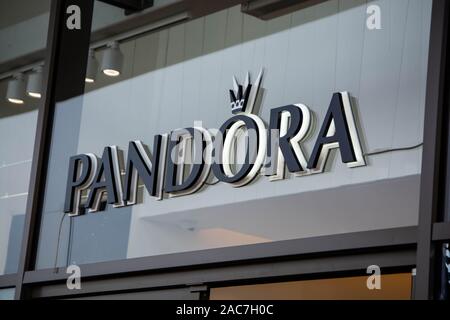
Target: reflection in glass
23 33
180 75
394 287
7 294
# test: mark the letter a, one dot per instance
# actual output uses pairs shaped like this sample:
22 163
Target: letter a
74 20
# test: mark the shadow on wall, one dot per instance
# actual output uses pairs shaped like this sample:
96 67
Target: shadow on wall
14 244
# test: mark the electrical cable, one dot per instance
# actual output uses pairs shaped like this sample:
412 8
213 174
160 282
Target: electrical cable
383 151
55 268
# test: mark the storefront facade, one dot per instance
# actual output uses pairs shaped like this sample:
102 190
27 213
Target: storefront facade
133 165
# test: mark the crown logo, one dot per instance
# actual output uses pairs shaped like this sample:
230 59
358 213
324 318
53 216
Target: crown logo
243 97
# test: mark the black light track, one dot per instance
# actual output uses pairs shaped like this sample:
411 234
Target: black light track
130 6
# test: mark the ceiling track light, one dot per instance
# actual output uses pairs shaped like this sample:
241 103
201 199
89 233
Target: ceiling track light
111 65
92 67
34 85
16 89
130 6
112 60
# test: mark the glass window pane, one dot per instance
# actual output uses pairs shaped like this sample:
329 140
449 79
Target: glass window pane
181 77
23 35
7 294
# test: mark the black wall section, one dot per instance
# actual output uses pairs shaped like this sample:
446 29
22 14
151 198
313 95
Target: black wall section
432 181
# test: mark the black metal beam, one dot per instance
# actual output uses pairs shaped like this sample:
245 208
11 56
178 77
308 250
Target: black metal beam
431 183
368 240
130 5
314 267
62 81
441 232
8 281
269 9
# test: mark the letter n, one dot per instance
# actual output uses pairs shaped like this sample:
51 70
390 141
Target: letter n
141 165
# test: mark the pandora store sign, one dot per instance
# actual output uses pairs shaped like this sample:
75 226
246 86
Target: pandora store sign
242 149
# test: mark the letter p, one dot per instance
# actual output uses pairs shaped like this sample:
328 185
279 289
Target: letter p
81 174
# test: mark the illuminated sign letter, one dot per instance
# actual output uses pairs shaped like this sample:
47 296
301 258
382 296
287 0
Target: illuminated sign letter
81 174
140 165
289 125
187 154
338 131
255 153
107 179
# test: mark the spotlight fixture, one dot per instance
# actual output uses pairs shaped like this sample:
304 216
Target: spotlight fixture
112 60
34 86
92 67
16 89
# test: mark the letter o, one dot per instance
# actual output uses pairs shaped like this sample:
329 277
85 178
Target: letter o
222 150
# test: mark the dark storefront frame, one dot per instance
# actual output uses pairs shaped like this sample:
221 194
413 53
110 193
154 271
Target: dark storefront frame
399 249
434 159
